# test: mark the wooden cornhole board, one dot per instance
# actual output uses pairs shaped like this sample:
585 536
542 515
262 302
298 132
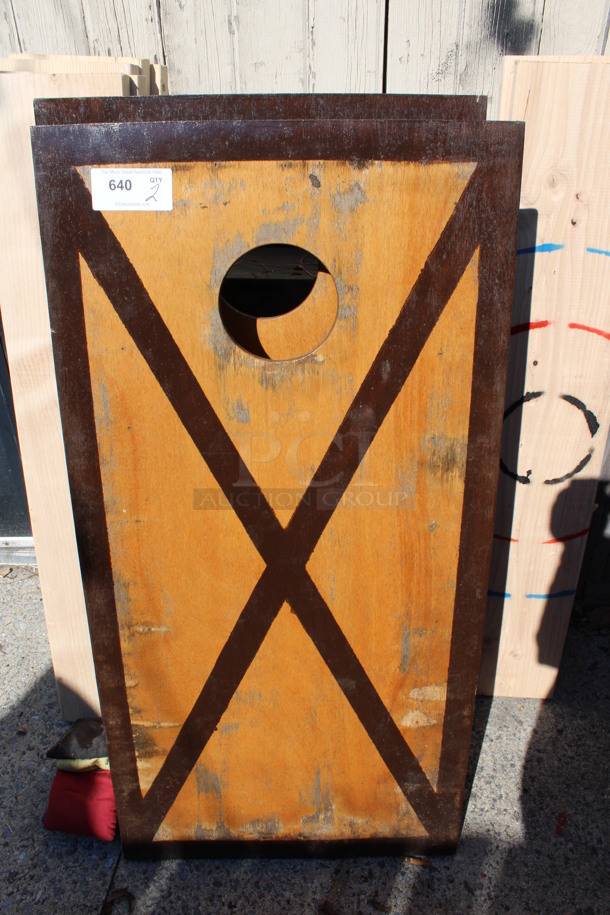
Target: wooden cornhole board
203 107
285 561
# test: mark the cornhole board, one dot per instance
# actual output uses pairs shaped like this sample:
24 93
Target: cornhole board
285 560
70 110
282 106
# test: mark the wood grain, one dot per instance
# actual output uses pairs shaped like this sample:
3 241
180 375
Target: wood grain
9 38
312 45
130 28
304 46
137 68
82 27
167 412
53 27
28 344
74 63
509 65
159 80
565 421
283 416
574 28
457 48
344 50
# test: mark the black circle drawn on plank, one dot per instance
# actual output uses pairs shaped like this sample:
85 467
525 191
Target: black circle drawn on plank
592 424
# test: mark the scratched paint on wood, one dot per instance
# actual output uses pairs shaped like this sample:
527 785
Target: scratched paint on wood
457 47
313 46
282 418
338 639
302 47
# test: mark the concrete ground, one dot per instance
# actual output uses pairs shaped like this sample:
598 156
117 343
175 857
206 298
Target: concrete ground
535 837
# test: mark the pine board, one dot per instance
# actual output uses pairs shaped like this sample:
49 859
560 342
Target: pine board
74 63
159 81
138 69
554 440
29 352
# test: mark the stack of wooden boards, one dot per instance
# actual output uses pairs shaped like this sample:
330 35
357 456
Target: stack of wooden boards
28 343
73 74
285 560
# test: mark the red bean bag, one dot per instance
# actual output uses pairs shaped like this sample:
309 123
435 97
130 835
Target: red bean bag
82 803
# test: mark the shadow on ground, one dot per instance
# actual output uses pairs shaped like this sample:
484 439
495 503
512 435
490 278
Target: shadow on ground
535 835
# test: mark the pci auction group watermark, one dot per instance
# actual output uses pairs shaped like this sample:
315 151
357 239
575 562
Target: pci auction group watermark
324 499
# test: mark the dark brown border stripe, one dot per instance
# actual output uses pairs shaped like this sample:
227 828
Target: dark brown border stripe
392 365
343 663
235 658
77 412
497 224
116 275
107 260
281 106
239 141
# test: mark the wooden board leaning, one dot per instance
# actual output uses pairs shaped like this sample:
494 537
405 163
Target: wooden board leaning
557 408
28 342
267 621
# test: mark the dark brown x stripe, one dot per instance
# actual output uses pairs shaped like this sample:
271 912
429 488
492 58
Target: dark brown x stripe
285 551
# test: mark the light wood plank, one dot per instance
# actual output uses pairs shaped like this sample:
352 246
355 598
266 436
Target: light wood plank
509 64
139 85
28 345
446 48
136 76
68 63
159 82
52 27
566 106
138 68
574 28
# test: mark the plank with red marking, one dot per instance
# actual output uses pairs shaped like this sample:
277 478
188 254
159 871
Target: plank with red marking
558 404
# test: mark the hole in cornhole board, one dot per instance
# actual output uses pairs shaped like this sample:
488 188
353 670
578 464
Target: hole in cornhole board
278 302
